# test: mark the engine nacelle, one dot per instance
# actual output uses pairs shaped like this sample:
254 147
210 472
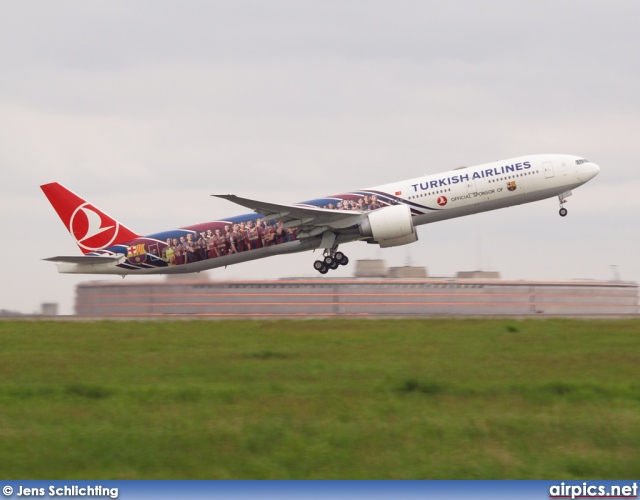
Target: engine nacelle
390 226
396 242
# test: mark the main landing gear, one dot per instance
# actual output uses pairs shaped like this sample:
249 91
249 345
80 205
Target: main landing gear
331 260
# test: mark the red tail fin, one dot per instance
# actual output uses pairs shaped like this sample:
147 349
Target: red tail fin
91 228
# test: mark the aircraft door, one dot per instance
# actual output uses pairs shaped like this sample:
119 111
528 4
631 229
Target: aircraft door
471 186
548 169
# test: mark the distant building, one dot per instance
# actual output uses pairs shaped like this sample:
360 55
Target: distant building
408 272
373 268
478 275
6 312
322 297
49 309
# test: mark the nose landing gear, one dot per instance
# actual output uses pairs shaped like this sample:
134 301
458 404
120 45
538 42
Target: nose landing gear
563 199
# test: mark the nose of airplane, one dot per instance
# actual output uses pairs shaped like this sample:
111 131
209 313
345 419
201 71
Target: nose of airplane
588 171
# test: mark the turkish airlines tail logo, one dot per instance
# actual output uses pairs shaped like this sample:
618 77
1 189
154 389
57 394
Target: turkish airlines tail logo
92 229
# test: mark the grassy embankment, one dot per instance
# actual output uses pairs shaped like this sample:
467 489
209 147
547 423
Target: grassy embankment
410 399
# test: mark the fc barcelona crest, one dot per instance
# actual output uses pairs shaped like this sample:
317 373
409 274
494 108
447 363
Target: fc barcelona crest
511 186
136 254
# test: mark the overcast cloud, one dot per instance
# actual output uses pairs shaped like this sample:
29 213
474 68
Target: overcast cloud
145 108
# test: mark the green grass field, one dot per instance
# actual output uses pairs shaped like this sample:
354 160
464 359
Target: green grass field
404 399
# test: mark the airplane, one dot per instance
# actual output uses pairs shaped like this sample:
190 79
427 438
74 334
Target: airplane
386 215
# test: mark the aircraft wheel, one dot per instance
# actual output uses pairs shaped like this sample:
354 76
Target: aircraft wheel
318 265
344 261
328 260
339 256
334 264
563 212
323 270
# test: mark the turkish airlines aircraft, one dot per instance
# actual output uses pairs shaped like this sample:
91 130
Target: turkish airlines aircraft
386 215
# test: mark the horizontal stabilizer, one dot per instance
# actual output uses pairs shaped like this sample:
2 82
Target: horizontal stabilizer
86 259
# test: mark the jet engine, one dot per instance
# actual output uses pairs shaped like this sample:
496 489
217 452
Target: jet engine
389 226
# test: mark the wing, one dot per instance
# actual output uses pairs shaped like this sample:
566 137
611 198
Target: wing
310 219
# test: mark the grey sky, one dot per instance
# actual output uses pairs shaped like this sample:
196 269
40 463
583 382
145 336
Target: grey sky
146 108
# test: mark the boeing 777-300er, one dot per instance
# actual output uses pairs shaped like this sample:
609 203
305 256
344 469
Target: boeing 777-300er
386 215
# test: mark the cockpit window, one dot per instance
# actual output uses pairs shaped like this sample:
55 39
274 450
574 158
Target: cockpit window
580 162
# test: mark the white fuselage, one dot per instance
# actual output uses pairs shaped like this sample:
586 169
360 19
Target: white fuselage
485 187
